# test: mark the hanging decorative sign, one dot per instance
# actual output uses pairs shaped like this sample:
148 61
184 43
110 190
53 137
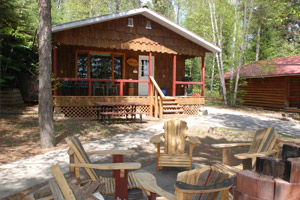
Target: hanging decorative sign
132 62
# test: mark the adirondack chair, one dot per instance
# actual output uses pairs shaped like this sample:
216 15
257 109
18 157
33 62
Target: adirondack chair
121 181
62 190
265 143
203 184
175 135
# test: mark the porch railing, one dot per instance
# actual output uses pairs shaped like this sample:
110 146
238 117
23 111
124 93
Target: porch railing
121 81
189 83
158 109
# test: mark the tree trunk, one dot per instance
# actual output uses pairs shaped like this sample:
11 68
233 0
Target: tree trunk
117 5
258 43
136 3
243 47
45 66
178 11
91 8
218 57
233 51
212 75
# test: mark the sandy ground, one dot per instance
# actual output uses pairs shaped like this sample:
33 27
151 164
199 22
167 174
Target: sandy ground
19 135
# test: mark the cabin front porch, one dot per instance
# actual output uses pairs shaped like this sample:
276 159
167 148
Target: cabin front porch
83 106
154 79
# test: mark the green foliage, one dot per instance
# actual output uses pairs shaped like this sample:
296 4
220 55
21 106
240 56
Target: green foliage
72 10
279 21
213 99
164 7
18 24
280 29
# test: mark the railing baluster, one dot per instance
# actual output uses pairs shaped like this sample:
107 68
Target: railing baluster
155 104
151 98
121 88
160 108
90 87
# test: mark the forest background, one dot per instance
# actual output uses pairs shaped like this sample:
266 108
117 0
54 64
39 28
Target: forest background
246 30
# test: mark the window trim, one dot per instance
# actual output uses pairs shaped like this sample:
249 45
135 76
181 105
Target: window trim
107 52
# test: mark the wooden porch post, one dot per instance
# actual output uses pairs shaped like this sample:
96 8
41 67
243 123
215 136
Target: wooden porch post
150 88
149 72
202 76
174 76
54 65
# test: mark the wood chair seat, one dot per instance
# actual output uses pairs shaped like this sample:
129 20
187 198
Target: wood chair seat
173 160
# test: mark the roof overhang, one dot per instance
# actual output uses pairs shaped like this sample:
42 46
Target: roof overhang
149 14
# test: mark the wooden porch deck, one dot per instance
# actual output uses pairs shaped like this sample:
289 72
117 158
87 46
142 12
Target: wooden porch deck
82 106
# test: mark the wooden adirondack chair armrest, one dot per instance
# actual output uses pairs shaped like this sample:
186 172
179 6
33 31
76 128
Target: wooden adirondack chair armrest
229 145
194 140
156 138
243 156
226 150
187 188
111 152
148 183
110 166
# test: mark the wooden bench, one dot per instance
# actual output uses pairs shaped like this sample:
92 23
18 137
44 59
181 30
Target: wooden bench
118 113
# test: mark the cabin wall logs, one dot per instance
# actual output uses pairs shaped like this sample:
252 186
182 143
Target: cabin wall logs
116 34
271 92
163 67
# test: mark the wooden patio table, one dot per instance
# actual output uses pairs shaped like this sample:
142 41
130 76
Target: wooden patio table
108 109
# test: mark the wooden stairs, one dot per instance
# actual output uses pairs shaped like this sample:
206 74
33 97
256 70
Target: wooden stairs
171 108
168 107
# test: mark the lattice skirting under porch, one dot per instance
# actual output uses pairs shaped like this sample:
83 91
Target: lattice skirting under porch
89 112
191 109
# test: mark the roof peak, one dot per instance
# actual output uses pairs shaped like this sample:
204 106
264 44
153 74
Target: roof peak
156 17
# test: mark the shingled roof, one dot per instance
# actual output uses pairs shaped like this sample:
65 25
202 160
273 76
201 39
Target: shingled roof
285 66
156 17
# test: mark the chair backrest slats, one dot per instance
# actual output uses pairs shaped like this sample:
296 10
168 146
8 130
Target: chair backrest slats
83 158
264 140
175 134
207 175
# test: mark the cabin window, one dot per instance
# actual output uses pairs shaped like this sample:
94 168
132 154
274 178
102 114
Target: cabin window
144 68
148 25
130 22
118 63
82 65
99 65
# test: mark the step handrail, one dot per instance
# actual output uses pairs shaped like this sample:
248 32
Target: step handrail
161 94
157 101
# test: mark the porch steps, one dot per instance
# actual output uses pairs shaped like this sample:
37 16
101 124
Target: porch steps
171 108
170 102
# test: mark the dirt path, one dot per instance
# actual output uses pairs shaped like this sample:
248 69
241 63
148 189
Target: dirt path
20 140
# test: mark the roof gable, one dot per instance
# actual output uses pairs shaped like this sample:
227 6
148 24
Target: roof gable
149 14
284 66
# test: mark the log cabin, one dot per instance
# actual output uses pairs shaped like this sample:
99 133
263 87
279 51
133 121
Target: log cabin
271 84
132 56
